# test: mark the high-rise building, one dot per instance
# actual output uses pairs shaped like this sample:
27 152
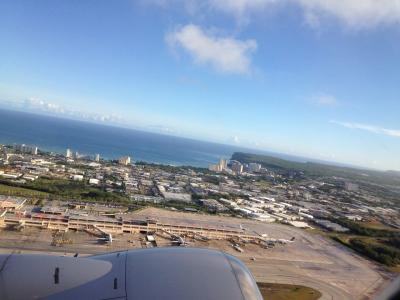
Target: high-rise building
33 150
97 158
236 166
223 164
214 168
26 149
254 167
125 160
68 153
220 166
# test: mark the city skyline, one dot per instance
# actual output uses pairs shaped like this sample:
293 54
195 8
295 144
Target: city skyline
309 78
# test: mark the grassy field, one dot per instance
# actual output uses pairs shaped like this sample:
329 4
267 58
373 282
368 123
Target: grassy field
61 189
395 269
376 248
20 192
376 225
276 291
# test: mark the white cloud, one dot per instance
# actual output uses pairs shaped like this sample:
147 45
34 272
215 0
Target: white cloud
235 139
370 128
353 13
240 7
325 100
225 54
357 14
40 105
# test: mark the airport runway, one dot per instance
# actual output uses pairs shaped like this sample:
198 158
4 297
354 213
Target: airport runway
310 260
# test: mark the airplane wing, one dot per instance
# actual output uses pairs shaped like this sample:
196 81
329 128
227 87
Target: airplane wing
157 273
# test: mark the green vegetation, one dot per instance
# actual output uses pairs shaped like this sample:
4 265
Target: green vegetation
21 192
376 225
382 251
381 245
318 169
394 242
386 255
277 291
66 190
359 229
182 205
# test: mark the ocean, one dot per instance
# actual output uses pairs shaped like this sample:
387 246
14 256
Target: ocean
56 135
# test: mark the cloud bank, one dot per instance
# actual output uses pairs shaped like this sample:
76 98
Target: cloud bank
352 13
356 14
33 104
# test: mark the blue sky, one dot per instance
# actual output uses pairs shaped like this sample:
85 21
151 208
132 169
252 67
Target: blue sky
317 78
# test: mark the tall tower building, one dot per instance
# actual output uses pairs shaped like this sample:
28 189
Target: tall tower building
125 160
223 164
97 158
68 154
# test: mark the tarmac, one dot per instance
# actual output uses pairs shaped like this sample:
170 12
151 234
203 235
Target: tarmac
310 260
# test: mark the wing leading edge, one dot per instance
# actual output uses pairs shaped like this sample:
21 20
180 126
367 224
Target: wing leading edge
158 273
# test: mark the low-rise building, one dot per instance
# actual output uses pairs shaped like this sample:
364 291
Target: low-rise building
11 203
94 181
213 205
77 177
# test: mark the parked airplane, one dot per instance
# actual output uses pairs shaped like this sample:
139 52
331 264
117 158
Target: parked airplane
108 238
180 241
